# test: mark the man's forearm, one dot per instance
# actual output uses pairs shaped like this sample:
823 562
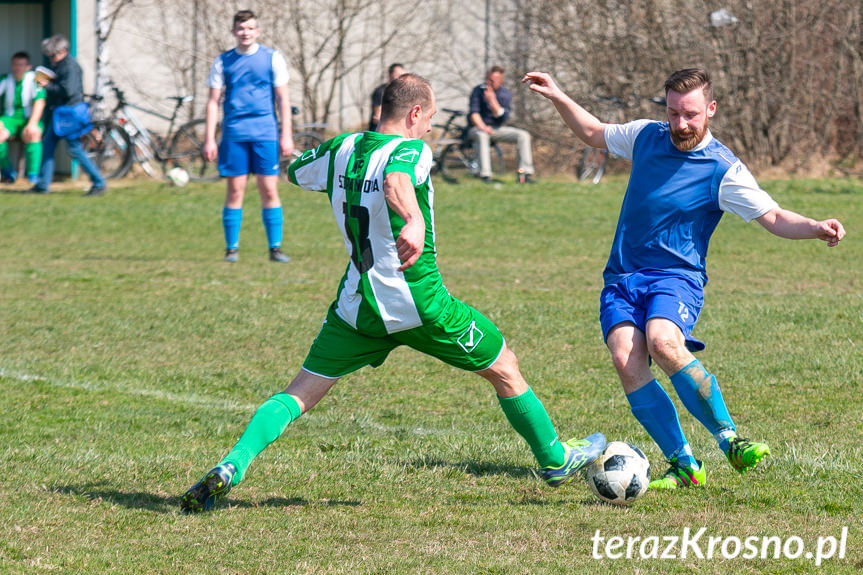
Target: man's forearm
789 225
285 112
583 124
212 119
36 115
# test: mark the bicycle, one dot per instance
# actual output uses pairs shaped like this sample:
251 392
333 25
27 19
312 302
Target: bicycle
108 144
149 150
453 149
310 135
592 162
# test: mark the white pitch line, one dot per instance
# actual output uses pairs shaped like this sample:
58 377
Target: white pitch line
187 398
198 401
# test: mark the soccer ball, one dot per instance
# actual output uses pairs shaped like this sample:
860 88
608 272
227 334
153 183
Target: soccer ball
620 475
178 176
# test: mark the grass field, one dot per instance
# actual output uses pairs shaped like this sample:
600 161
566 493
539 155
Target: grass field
132 357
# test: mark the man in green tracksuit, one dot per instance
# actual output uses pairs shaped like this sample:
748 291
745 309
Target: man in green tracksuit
22 102
392 294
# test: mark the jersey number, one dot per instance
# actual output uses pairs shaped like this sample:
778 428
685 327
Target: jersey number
361 252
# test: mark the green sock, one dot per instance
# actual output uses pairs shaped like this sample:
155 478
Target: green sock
529 418
268 423
4 157
33 157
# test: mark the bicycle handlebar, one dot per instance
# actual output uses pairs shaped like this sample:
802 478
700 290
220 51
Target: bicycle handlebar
452 112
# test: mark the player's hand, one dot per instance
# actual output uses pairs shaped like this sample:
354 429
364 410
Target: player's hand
211 151
32 133
542 84
410 242
831 231
286 147
489 95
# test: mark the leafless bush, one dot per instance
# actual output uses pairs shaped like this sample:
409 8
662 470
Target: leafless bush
788 74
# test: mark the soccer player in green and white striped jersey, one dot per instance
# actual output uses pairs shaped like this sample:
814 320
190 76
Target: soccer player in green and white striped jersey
392 294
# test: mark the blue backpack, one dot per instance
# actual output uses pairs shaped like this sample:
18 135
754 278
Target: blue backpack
72 121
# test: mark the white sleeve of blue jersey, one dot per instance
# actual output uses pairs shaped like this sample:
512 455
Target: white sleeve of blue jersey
280 69
216 79
740 194
620 138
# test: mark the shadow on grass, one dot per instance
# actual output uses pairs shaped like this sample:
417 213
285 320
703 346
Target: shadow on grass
148 501
578 499
477 468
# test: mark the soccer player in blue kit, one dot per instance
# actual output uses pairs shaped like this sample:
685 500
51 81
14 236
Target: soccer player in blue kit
681 183
254 80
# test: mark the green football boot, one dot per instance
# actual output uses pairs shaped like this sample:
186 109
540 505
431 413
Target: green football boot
215 485
579 454
680 476
744 454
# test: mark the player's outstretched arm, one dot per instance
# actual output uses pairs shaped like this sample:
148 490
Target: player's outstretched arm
793 226
583 124
401 198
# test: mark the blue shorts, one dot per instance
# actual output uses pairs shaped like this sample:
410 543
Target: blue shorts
645 295
243 158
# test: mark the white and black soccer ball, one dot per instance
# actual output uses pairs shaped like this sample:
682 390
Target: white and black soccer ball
620 475
178 176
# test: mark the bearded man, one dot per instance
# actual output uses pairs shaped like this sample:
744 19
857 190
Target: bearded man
681 183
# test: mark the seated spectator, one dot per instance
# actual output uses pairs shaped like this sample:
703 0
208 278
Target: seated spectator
394 71
21 105
490 107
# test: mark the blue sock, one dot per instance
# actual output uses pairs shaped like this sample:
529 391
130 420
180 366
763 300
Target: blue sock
652 407
700 394
273 221
232 219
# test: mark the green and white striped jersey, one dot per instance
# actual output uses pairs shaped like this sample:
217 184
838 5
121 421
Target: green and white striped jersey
374 297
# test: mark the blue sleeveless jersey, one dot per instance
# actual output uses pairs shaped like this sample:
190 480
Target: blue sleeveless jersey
670 209
250 113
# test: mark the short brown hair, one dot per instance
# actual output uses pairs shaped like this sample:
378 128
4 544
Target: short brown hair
690 79
403 93
244 16
496 70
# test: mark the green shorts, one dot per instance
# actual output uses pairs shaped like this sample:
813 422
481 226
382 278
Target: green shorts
15 125
461 337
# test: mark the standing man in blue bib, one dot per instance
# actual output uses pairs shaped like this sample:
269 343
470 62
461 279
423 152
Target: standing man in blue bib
254 81
682 181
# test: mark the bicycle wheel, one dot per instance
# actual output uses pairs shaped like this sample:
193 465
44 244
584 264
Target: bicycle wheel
187 151
303 141
109 147
457 157
591 165
145 156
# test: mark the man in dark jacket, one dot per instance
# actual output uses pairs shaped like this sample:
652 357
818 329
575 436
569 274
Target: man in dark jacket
65 89
489 109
